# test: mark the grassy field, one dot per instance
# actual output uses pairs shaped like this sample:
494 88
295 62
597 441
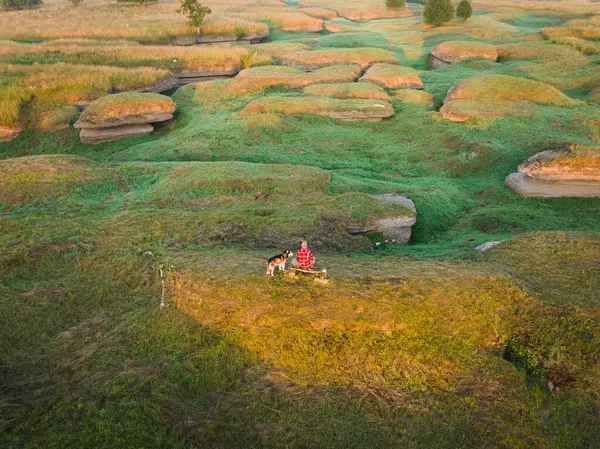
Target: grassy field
134 306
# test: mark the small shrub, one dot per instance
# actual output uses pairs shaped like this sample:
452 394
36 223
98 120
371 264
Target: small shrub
194 11
76 3
20 4
438 12
395 3
464 9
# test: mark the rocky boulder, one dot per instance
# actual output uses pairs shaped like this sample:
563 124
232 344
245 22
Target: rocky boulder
123 115
249 38
398 227
452 52
552 174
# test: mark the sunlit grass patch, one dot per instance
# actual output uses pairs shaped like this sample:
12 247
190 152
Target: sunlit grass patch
581 34
211 179
457 51
124 54
286 20
320 13
344 109
392 76
277 50
348 90
37 178
580 162
560 66
360 10
312 60
509 88
257 79
412 96
498 96
111 107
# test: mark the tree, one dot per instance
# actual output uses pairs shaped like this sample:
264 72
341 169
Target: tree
395 3
464 9
438 12
194 11
20 4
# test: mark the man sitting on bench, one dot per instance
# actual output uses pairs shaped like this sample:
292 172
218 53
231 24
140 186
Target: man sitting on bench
304 259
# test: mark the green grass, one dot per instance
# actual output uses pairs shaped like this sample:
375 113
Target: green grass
428 345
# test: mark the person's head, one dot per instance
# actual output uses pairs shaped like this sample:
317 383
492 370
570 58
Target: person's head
304 244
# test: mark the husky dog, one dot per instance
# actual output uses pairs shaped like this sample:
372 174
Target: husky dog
278 261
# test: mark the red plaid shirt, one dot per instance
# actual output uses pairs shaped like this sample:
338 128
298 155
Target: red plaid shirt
305 257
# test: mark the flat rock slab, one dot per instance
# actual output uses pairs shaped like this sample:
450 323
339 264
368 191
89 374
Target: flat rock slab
396 228
194 76
100 135
250 38
529 187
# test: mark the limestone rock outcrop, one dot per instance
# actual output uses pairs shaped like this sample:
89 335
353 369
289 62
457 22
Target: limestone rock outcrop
118 116
397 228
555 174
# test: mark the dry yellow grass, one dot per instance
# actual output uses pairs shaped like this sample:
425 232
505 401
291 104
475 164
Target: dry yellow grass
508 88
286 20
411 96
581 34
579 163
359 9
542 6
54 86
257 79
346 109
348 90
457 51
393 77
214 57
110 107
498 96
560 66
277 50
104 19
321 13
364 57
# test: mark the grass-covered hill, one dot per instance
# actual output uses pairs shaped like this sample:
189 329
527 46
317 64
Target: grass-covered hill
134 306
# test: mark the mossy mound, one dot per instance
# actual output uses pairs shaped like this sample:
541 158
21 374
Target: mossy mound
411 96
364 57
348 90
127 109
37 178
257 79
499 96
343 109
212 179
393 77
453 52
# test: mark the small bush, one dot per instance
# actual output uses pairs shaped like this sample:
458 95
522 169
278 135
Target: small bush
76 3
464 9
20 4
194 11
438 12
395 3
